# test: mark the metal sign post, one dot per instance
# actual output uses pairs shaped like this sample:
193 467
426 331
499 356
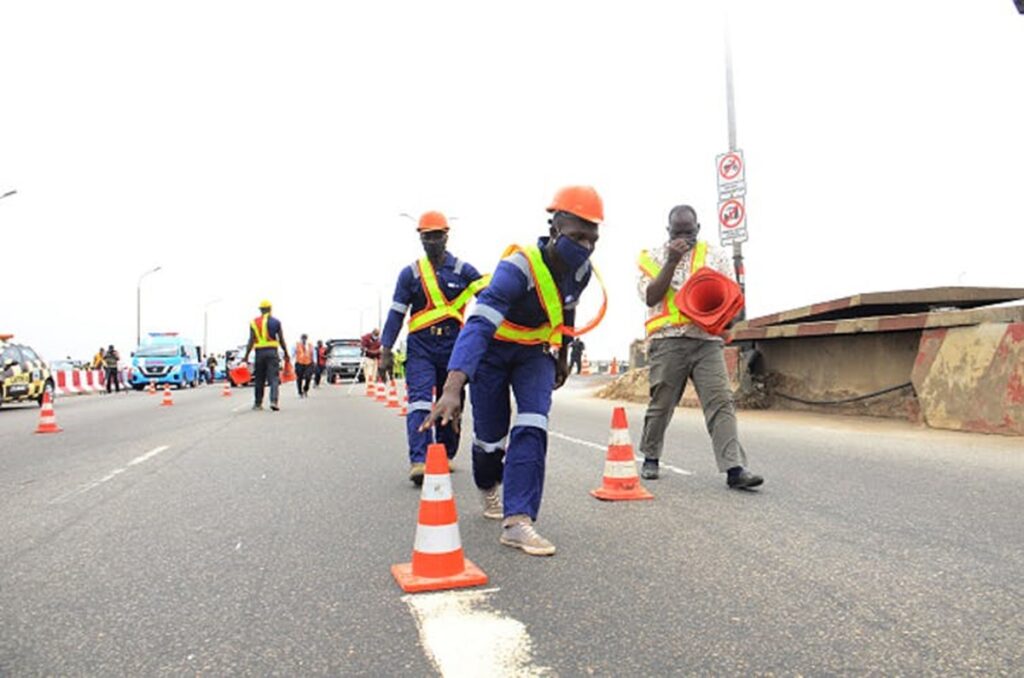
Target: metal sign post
732 184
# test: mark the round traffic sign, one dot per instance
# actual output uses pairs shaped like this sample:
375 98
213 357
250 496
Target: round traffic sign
730 166
731 213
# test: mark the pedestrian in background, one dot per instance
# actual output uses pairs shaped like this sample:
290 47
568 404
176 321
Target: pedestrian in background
110 361
678 350
576 348
303 365
434 291
266 337
528 305
211 365
370 345
97 360
320 355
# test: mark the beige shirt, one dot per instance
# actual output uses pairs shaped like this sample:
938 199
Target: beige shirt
716 259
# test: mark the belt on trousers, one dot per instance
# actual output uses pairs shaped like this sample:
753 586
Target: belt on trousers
441 331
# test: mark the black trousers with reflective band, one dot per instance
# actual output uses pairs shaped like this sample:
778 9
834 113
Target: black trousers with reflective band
267 371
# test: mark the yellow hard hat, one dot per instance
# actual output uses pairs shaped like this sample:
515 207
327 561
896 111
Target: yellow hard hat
265 303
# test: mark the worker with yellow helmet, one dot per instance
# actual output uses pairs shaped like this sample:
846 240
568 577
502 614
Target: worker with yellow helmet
267 337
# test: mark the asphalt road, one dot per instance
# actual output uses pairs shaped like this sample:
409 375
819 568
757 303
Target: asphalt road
205 538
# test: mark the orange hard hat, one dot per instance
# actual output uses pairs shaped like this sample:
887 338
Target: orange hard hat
432 221
583 201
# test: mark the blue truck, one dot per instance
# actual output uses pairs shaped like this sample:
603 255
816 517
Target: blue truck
164 358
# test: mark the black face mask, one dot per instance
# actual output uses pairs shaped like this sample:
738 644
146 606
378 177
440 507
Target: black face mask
434 250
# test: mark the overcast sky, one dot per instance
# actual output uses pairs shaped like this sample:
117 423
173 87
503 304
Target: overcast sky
256 149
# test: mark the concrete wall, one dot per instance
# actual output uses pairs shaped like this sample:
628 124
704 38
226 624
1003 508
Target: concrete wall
834 367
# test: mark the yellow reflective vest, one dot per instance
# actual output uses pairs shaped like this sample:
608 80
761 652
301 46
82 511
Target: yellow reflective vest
259 330
550 300
438 307
671 316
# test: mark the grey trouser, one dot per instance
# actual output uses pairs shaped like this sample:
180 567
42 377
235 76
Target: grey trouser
672 361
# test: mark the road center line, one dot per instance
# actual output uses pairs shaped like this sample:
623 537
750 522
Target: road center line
463 635
604 448
110 476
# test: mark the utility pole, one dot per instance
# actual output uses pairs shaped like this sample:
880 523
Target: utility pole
730 105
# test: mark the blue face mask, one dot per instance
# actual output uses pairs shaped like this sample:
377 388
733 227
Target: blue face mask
571 252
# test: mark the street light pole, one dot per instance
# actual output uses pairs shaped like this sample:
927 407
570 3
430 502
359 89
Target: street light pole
138 305
8 194
206 313
737 246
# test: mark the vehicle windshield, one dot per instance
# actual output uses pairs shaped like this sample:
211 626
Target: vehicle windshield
158 351
344 352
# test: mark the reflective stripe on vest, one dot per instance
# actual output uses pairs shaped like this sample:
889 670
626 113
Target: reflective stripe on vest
550 300
671 316
438 307
259 330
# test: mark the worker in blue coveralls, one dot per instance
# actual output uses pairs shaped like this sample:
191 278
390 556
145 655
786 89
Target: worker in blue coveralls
436 288
528 306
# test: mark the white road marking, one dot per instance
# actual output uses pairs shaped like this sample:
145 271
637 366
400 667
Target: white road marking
110 476
463 635
239 408
604 448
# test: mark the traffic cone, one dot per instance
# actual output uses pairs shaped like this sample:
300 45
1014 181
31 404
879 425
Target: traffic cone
151 389
404 412
437 559
393 396
614 368
585 366
168 400
710 300
621 481
371 392
47 419
382 396
226 391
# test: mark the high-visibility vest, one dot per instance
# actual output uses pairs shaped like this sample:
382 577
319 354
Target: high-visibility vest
549 298
259 330
303 354
438 307
671 315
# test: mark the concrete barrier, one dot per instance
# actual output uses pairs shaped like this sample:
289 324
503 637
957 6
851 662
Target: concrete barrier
972 378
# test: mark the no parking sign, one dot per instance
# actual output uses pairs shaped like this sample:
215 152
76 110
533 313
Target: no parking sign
731 174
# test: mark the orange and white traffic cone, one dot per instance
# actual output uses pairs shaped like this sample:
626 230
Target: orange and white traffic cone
621 481
151 389
168 400
437 559
393 396
404 412
226 391
382 396
585 366
614 368
47 419
371 392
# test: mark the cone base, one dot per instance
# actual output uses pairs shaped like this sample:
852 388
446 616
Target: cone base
636 494
166 404
55 429
410 583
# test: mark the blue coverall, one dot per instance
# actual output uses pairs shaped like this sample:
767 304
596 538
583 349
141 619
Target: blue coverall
429 349
494 366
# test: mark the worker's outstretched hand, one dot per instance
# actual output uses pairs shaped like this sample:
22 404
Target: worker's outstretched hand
561 373
448 408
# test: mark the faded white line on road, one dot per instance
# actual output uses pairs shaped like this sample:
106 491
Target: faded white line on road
110 476
604 448
463 635
239 408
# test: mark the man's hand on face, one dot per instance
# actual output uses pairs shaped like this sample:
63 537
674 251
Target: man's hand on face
678 248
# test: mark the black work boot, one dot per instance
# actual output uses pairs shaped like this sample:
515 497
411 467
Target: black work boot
649 471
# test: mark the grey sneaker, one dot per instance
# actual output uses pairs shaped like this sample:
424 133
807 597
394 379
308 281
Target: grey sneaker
257 407
416 471
517 531
491 499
